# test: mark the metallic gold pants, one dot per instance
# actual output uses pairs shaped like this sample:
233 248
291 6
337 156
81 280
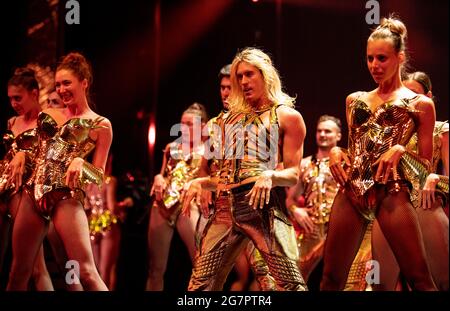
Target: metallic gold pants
229 230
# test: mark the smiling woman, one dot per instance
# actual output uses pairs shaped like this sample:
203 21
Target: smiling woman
66 136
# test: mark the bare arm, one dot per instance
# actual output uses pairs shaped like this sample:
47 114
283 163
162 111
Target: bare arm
293 132
78 167
297 190
427 117
159 182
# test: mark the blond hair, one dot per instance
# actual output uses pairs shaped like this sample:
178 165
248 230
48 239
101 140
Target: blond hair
262 61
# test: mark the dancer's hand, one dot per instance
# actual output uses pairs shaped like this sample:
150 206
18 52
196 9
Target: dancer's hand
158 187
301 216
387 164
191 190
337 157
206 200
74 172
15 171
426 195
260 193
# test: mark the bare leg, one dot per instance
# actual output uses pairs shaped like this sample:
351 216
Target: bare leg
5 227
72 226
399 224
42 280
159 237
382 252
109 250
59 253
186 228
345 233
434 225
28 233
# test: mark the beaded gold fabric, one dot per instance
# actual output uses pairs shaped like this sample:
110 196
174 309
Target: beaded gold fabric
320 188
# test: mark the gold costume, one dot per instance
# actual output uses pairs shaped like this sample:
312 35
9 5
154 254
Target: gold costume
58 146
26 142
421 171
372 134
100 218
320 188
181 168
253 256
235 223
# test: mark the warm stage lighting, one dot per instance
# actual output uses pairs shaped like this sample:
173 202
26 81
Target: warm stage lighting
151 135
254 1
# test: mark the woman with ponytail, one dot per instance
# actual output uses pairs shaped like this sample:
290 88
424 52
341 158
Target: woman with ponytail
375 171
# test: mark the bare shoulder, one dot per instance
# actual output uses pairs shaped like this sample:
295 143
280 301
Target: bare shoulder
353 96
423 103
104 122
58 114
11 121
289 114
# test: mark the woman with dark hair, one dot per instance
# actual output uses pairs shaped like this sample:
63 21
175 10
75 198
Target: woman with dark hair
373 174
66 136
181 164
16 167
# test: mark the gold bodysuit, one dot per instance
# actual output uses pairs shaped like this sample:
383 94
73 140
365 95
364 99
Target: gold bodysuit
372 134
180 169
58 146
27 142
443 185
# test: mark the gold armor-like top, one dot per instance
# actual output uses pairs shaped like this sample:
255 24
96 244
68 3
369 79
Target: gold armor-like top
58 147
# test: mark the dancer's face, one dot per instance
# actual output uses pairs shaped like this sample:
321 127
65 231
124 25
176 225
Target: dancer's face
71 90
54 100
187 120
252 83
225 89
416 87
382 60
22 100
327 134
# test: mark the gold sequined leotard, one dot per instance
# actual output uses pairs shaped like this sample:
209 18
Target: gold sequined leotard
371 135
27 142
181 167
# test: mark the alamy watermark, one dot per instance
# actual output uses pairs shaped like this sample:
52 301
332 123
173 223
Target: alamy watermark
73 13
73 275
373 15
373 272
230 142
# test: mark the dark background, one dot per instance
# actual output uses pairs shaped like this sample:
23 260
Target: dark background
145 72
